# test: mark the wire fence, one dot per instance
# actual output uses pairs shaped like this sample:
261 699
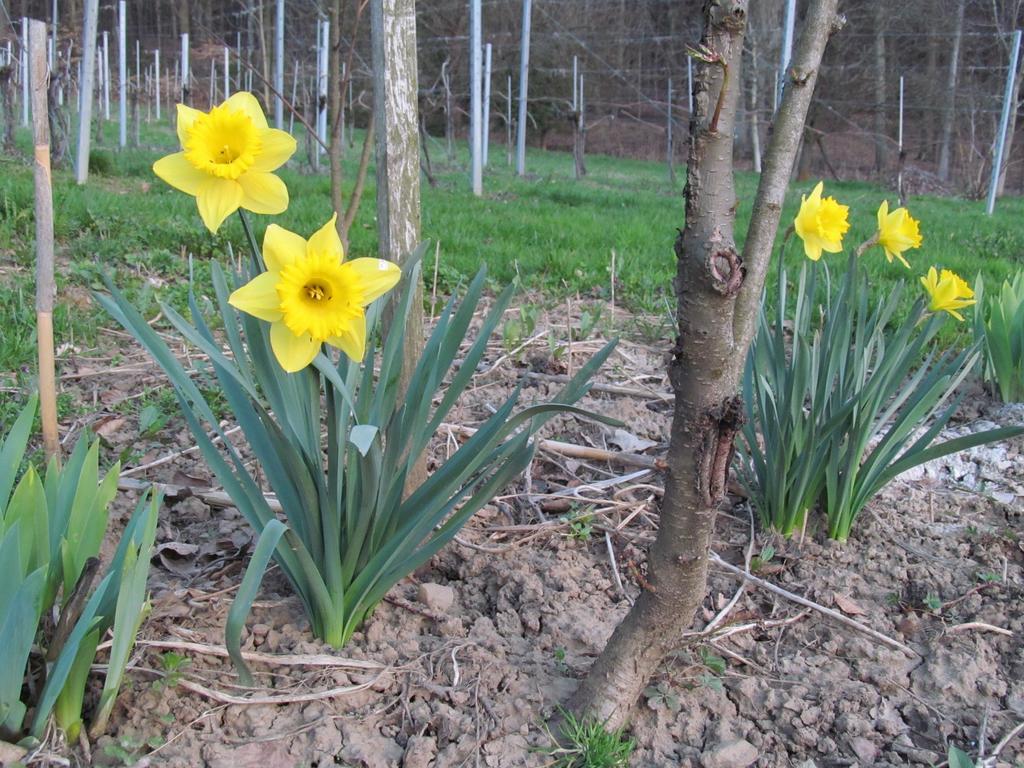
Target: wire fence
632 59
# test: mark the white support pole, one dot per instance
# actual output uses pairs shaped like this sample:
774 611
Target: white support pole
213 82
156 77
475 105
508 120
341 106
122 74
524 68
279 66
899 130
786 50
85 89
316 91
227 72
24 71
689 87
351 111
56 58
669 149
325 44
138 64
575 83
238 55
99 78
485 126
186 72
295 87
55 31
106 75
899 146
1004 122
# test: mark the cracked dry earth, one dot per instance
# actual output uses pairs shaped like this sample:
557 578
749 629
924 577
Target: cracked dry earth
482 644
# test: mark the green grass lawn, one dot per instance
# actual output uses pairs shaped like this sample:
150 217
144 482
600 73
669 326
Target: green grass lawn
556 234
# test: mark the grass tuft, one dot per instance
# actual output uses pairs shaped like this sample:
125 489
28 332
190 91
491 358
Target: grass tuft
584 743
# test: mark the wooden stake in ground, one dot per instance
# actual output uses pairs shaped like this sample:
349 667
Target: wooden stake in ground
44 237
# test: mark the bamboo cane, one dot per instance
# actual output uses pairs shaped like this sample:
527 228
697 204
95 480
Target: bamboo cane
44 238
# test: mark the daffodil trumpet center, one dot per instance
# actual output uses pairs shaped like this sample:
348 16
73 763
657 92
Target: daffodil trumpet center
224 142
319 297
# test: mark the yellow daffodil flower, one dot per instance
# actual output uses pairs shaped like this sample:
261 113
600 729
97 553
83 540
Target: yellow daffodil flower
897 232
310 295
821 223
949 292
228 157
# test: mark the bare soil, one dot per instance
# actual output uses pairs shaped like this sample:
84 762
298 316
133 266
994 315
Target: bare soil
936 562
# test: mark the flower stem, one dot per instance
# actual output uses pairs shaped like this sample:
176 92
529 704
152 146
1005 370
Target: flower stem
873 240
254 249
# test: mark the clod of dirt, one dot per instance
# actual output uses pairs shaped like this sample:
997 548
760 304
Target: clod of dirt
437 597
731 754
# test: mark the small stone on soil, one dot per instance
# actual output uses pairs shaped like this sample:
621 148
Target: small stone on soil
731 754
865 749
437 597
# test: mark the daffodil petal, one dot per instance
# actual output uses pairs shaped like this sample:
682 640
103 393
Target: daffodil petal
353 341
376 276
326 241
812 250
293 352
186 117
263 193
180 173
218 199
243 101
275 149
259 298
281 247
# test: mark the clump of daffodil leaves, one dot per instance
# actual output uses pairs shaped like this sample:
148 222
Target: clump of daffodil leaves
312 377
841 398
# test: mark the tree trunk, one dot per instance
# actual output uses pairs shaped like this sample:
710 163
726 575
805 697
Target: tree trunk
949 113
718 295
334 111
396 108
881 137
264 58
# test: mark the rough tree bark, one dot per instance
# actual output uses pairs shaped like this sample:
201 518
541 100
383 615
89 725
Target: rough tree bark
718 294
334 97
396 111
